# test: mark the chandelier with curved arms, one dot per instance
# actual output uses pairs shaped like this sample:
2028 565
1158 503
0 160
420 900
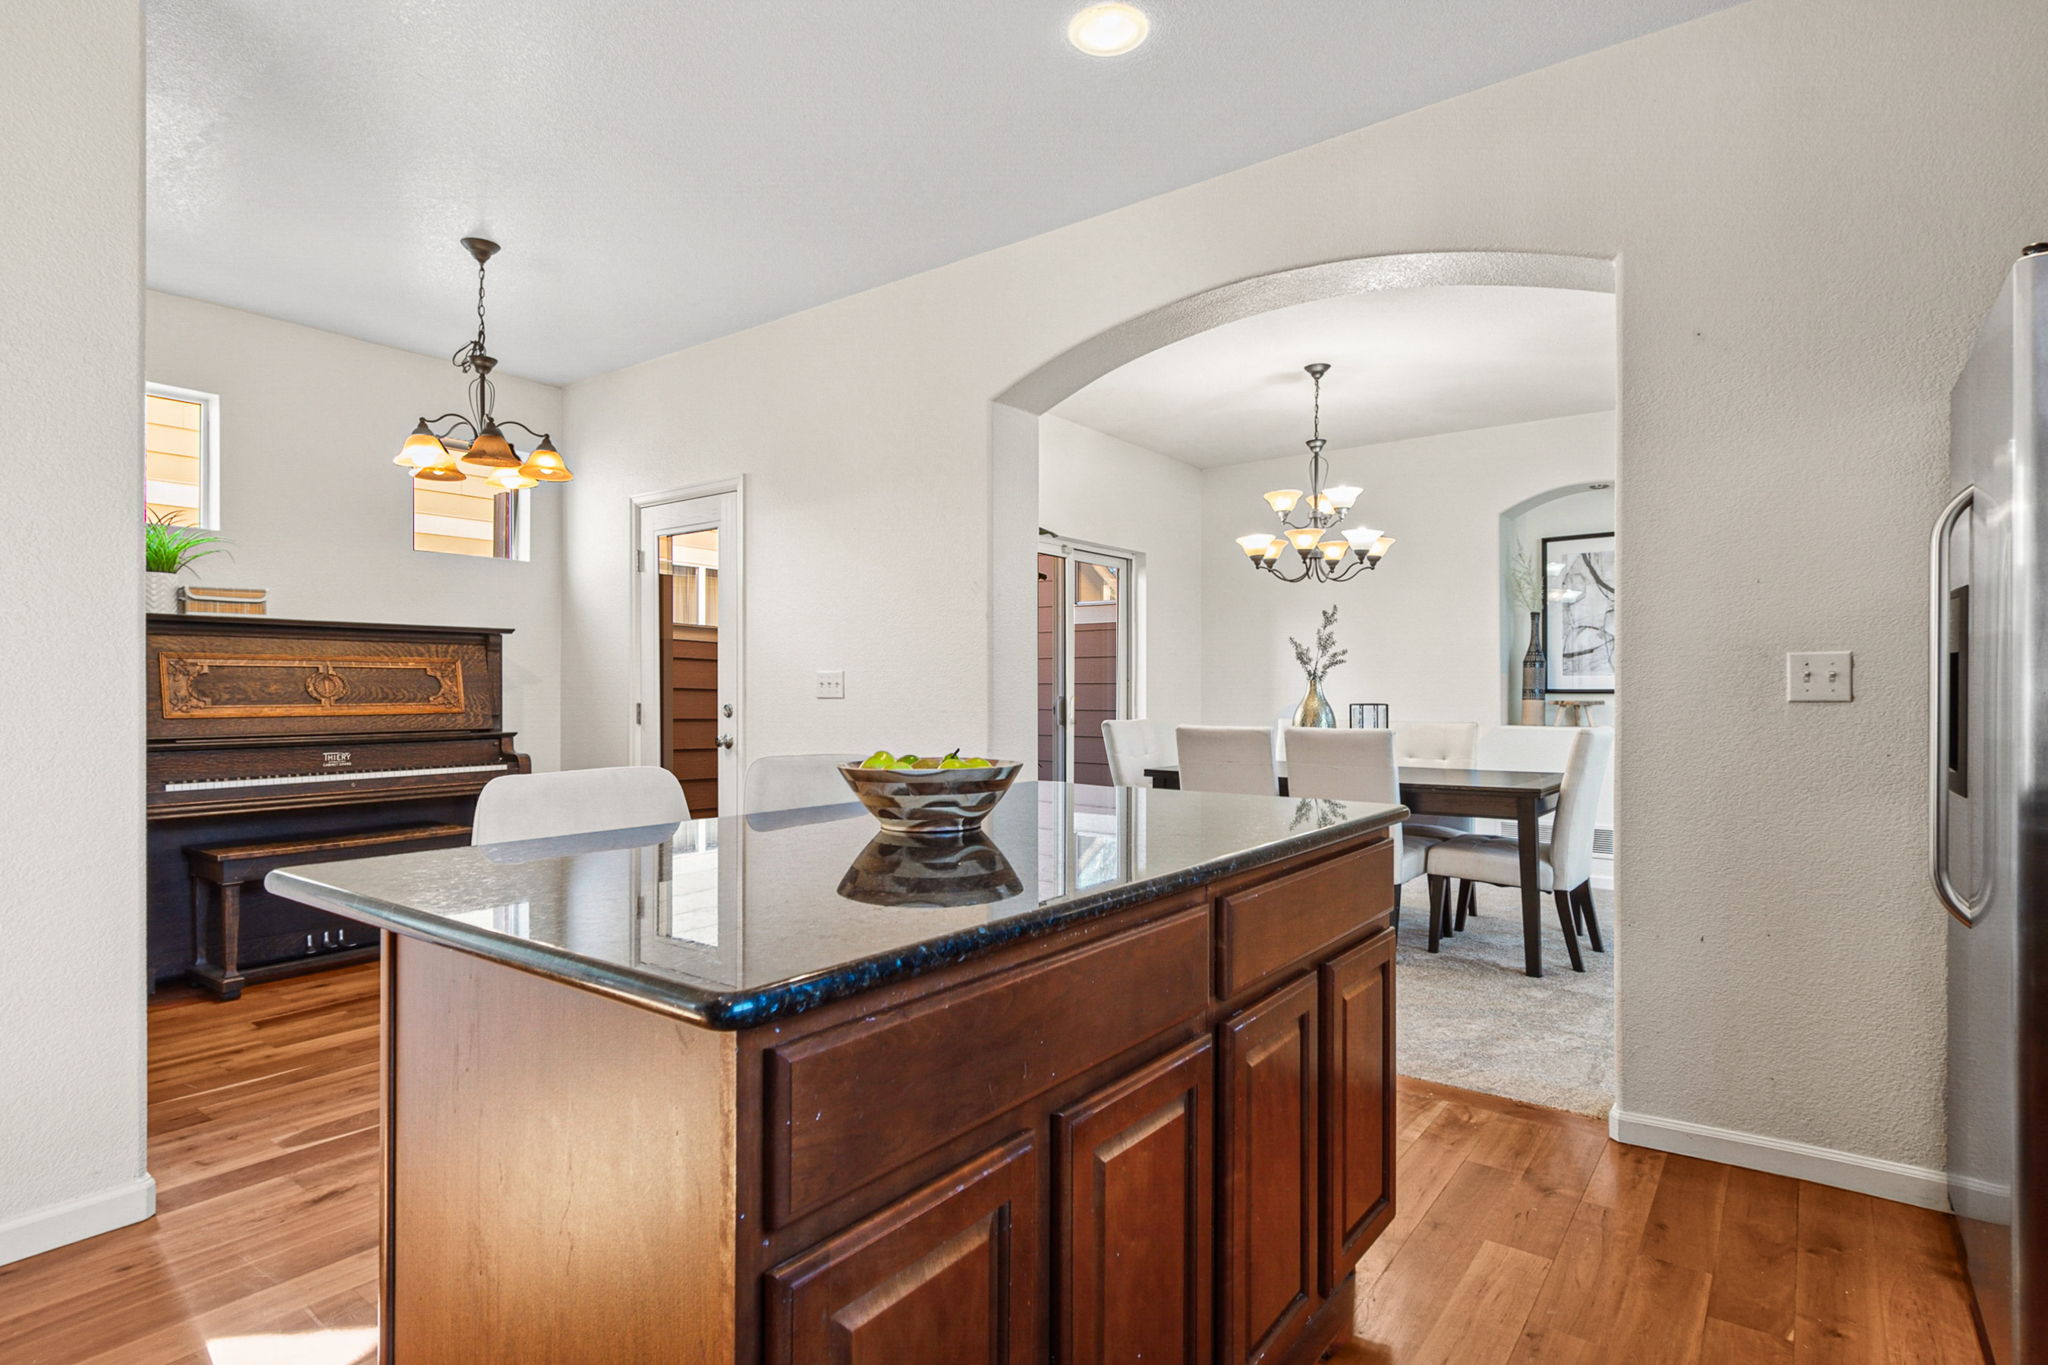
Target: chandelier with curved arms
1328 551
486 450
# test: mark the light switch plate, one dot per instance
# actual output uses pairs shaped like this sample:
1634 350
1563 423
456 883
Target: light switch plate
1824 676
832 683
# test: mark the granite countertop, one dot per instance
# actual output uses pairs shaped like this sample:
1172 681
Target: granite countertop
733 922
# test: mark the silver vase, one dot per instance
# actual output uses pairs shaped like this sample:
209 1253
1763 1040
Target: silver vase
1315 712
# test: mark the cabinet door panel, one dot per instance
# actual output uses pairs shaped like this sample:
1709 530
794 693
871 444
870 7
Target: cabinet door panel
1133 1246
1268 1064
1358 1103
948 1273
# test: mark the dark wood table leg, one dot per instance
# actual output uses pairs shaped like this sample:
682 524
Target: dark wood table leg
1532 893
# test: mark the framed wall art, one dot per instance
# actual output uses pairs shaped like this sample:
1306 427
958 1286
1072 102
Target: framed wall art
1579 578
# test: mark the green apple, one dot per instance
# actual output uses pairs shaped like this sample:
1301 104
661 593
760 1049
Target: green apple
880 758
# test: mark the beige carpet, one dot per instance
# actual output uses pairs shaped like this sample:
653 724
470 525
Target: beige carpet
1468 1017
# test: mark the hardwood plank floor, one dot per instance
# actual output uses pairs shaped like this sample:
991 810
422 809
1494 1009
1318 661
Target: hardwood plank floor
1524 1237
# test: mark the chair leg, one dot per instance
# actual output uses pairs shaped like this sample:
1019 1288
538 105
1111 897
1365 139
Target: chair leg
1467 894
1590 917
1564 920
1438 898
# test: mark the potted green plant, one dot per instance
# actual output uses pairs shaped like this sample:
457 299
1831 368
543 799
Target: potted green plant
169 547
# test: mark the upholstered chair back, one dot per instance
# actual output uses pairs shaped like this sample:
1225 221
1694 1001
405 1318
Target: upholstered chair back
1571 828
798 782
1436 744
1227 758
581 801
1135 745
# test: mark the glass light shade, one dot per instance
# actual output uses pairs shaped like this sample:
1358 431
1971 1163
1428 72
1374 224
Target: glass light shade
1108 30
546 464
436 473
423 450
1255 546
1335 550
1282 500
1273 549
1321 505
1343 495
490 450
1361 536
1305 539
511 479
1379 548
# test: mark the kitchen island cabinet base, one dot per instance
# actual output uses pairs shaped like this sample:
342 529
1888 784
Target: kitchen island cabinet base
571 1175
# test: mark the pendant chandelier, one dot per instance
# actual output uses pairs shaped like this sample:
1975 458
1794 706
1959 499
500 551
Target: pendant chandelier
1329 551
485 451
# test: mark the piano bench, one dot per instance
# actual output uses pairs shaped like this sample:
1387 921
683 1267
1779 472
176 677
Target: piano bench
227 868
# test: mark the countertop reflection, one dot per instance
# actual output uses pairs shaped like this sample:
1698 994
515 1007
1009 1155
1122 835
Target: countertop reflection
736 921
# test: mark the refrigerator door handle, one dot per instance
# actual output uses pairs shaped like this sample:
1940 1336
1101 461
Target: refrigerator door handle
1938 701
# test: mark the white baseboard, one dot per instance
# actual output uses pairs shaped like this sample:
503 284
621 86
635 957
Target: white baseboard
46 1229
1894 1180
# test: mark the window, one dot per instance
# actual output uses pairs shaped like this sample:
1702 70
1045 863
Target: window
468 518
691 561
180 445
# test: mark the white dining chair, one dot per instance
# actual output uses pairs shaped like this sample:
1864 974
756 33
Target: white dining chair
1526 748
579 801
1564 864
1135 745
797 782
1355 765
1227 758
1437 744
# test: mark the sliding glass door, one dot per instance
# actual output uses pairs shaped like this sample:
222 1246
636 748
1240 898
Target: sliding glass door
1087 602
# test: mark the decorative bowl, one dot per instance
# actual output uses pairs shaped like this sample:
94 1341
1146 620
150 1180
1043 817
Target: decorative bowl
930 801
910 870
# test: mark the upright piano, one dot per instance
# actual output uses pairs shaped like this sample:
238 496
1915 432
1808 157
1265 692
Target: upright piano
263 730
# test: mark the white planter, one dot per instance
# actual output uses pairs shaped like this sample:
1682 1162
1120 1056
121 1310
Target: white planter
159 592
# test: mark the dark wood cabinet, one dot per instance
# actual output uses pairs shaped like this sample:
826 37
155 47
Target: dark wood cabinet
1269 1063
1358 1102
949 1273
1158 1135
1132 1247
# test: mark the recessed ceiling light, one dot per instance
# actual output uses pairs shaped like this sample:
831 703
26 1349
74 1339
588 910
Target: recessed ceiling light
1108 30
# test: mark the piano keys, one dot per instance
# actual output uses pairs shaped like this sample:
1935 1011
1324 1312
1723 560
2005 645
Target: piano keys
267 729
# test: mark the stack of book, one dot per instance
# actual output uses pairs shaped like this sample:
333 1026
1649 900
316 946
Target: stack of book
196 601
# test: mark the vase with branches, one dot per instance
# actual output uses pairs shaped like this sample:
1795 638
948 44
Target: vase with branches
1316 663
169 547
1525 586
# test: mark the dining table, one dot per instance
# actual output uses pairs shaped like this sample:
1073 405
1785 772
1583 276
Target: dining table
1471 793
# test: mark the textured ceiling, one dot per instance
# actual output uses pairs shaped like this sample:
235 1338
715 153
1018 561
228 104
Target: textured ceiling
663 173
1404 362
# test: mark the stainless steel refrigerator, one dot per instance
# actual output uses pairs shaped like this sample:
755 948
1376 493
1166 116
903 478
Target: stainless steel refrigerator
1988 808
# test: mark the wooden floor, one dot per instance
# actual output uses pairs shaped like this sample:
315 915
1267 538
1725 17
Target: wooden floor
1524 1235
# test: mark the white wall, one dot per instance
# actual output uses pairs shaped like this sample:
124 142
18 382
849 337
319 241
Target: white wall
315 511
1809 223
71 1026
1093 486
1423 628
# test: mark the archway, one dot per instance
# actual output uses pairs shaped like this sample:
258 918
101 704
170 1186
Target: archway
1013 484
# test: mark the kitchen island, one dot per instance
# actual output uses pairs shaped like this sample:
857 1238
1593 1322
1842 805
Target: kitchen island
1111 1081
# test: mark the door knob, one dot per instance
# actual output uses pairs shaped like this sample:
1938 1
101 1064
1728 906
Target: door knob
724 741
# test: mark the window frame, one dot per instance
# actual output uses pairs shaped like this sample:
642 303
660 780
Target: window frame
517 534
209 447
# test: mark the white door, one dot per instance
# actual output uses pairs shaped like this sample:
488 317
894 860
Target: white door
687 613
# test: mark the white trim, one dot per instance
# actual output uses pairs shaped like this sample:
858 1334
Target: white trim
1918 1185
74 1220
732 550
209 445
